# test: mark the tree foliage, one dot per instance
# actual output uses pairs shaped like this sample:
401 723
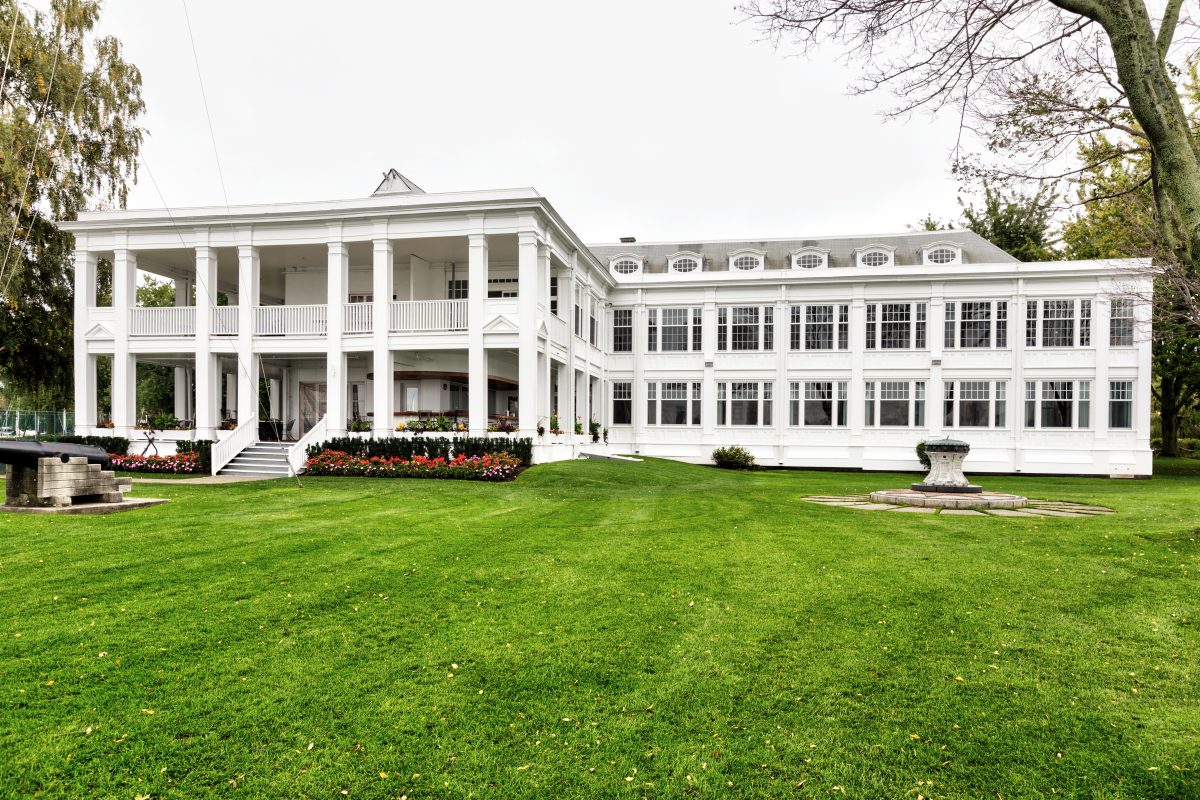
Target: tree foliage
1021 224
69 110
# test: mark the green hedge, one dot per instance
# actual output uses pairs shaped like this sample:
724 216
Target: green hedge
111 444
427 446
201 447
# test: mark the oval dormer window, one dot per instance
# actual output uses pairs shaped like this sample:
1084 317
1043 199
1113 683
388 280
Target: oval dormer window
810 260
685 265
941 255
746 262
875 258
626 266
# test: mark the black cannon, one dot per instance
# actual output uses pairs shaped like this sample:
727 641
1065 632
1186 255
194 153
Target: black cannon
26 454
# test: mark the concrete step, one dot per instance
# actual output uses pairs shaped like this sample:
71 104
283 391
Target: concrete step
234 470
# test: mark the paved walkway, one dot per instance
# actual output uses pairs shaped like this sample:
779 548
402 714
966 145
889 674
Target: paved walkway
205 480
1036 508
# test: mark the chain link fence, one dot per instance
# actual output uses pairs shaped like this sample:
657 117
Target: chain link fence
19 424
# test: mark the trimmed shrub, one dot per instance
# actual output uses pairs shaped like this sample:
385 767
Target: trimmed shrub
406 448
733 458
202 449
923 457
111 444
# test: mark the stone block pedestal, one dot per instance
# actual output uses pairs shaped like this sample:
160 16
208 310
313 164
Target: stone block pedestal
57 483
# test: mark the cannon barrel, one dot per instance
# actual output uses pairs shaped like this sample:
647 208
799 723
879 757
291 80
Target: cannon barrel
26 454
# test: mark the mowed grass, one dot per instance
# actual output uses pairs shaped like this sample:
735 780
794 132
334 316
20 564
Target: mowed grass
603 630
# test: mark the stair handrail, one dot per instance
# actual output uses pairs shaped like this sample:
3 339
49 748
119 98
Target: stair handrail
239 439
298 453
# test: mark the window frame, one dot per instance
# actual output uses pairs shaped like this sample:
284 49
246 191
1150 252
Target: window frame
839 403
928 250
997 403
804 252
622 343
917 323
1128 322
674 260
798 327
916 400
726 325
638 262
862 253
1034 404
1080 319
623 387
999 324
759 257
1126 402
694 328
656 395
763 400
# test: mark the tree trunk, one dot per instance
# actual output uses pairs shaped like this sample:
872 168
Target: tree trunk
1168 413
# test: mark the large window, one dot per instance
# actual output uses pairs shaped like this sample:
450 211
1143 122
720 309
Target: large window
896 326
818 403
626 266
746 328
1120 404
622 334
669 403
824 327
502 287
554 295
976 324
622 403
1058 404
456 289
1058 323
674 330
593 322
975 404
744 403
1120 325
579 311
895 403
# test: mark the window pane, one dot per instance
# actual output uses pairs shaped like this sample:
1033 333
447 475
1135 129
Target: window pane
744 333
1056 404
976 325
1058 323
818 403
818 333
895 329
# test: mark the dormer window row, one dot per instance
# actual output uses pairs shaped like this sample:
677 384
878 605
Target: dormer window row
871 256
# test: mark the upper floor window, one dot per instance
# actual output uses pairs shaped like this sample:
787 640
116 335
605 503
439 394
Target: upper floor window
626 266
361 297
976 323
810 259
746 261
593 322
579 311
1058 404
683 262
941 253
502 287
820 327
746 328
554 295
622 334
875 257
975 404
1058 323
674 330
456 290
896 326
1120 325
895 404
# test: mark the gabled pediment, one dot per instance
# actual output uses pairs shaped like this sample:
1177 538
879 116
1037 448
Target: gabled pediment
500 324
542 330
98 331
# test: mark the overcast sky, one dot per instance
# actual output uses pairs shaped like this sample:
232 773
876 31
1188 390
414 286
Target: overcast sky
665 120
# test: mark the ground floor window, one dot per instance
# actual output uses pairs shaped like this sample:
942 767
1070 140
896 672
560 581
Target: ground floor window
818 403
622 403
895 403
1058 404
744 403
1120 404
669 403
975 404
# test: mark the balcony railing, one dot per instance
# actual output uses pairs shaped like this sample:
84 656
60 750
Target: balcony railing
558 329
283 320
166 321
224 320
356 317
428 315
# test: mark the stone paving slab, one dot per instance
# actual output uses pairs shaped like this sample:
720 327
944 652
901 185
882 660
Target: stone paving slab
915 510
1035 509
205 480
1008 512
964 512
1050 512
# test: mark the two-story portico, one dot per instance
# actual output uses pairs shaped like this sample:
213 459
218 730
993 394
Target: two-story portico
459 299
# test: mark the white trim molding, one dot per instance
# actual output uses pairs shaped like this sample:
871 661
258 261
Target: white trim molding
747 259
864 256
810 258
684 262
622 260
934 254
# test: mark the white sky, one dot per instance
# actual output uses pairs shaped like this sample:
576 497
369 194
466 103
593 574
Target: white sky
662 119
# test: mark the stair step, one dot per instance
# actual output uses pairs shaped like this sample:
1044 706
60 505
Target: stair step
276 473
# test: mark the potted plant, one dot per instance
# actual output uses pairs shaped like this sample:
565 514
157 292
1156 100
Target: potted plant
578 427
554 424
594 429
606 435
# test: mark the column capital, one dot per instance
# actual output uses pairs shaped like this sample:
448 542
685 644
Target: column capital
338 248
247 251
477 239
527 238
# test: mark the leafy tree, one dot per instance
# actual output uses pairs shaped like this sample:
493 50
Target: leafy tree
70 121
1019 224
155 382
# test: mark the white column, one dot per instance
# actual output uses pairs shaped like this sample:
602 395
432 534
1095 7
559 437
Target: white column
477 367
527 373
783 390
276 395
856 395
335 363
85 365
935 335
1101 321
545 268
1015 400
247 360
381 285
124 394
208 388
183 291
708 392
566 376
639 371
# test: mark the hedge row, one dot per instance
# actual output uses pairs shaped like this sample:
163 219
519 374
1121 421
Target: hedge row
427 447
203 450
111 444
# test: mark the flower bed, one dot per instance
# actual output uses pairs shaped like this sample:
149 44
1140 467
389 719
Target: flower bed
178 464
488 467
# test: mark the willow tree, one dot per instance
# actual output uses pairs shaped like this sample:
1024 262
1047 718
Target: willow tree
69 140
1036 79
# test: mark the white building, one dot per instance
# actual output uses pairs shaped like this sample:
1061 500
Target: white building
486 307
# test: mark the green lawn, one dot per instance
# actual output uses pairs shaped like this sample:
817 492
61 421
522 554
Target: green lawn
603 630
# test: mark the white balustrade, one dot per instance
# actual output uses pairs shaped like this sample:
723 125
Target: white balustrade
164 321
298 454
228 448
283 320
558 329
428 315
356 317
224 320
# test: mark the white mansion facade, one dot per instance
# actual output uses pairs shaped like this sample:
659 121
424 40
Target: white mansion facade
485 307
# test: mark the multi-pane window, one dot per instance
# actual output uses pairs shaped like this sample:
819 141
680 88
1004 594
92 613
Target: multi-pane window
875 258
976 323
975 404
1120 404
824 327
1058 323
744 403
673 403
1120 325
815 403
579 312
622 403
809 260
502 287
1058 404
456 290
746 328
674 330
626 266
896 326
554 295
895 403
593 323
622 332
746 262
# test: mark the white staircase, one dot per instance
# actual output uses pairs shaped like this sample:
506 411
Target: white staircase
261 460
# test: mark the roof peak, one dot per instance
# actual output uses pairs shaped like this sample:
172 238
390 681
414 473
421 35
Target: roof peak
395 183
